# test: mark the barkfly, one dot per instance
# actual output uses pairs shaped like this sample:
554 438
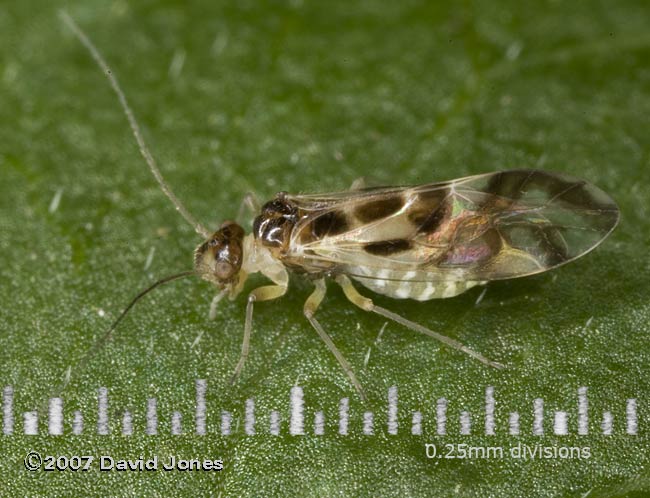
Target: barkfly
421 242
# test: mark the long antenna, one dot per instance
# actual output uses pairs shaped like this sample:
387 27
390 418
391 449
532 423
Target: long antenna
135 128
107 335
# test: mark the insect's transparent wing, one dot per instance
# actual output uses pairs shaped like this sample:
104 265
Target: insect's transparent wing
485 227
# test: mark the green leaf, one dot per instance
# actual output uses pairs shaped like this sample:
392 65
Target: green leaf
306 97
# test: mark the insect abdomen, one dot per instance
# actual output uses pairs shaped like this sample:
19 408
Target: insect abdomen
409 284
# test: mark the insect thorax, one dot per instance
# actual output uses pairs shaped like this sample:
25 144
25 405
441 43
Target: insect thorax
273 227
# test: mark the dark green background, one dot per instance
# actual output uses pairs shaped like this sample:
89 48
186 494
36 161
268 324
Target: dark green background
308 96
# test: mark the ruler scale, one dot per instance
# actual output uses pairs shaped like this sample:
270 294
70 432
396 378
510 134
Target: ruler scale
348 420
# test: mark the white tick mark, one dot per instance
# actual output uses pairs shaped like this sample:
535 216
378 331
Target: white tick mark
583 411
77 423
30 423
274 423
630 412
177 428
55 417
102 411
392 410
513 423
152 417
489 411
8 410
344 416
608 422
249 414
465 423
226 421
416 424
441 417
368 420
538 417
127 423
200 415
560 423
319 423
296 421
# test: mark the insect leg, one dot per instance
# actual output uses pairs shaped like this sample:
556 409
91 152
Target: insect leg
311 305
265 293
366 304
215 301
251 203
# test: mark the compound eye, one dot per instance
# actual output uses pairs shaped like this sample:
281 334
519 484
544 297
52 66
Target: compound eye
224 270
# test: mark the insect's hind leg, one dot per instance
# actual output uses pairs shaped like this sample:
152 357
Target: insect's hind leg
265 293
311 305
366 304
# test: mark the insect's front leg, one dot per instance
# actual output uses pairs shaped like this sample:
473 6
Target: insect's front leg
250 203
311 305
366 304
215 302
265 293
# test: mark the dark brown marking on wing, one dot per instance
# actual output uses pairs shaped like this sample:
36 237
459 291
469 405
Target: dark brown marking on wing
387 247
429 210
507 187
381 208
575 194
517 184
435 218
330 223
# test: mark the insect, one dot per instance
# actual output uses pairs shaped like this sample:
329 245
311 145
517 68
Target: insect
421 242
